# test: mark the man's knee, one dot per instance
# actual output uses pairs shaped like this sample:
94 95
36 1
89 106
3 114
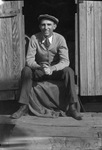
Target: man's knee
38 74
68 71
26 72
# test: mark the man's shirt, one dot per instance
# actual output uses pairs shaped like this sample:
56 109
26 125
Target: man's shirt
50 39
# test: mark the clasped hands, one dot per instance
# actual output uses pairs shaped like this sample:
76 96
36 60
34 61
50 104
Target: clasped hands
46 69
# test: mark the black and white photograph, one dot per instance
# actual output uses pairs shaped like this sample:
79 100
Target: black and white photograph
50 75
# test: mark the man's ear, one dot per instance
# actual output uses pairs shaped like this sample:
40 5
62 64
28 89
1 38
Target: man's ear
55 26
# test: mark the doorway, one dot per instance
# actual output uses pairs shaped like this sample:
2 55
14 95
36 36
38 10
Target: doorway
64 10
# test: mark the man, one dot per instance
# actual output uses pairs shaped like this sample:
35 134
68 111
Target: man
47 58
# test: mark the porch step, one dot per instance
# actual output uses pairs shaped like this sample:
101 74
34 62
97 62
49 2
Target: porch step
63 133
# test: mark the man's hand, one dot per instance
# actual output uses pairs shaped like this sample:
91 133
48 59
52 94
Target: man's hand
47 70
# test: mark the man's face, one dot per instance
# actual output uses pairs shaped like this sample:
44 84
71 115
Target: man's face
47 27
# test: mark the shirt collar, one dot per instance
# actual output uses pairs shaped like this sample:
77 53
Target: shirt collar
50 39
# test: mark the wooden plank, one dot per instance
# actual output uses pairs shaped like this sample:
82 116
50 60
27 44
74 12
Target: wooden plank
83 43
16 70
9 45
12 55
22 35
23 41
58 127
90 48
46 133
98 47
6 46
60 121
76 52
90 56
52 143
55 131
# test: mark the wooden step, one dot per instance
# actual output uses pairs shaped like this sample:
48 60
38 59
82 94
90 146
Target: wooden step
63 133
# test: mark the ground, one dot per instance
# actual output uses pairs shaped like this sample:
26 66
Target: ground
63 133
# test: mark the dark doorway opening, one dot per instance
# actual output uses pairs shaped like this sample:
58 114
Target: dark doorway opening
64 10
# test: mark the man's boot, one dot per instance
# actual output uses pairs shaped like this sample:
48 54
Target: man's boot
21 112
74 113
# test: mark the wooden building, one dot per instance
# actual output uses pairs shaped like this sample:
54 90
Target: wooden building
87 53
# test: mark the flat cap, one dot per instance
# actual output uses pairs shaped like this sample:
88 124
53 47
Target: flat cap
49 17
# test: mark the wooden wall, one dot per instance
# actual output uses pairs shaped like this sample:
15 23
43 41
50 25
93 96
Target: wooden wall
90 47
11 47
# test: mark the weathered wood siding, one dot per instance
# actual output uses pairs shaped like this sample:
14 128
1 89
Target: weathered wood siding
90 47
11 45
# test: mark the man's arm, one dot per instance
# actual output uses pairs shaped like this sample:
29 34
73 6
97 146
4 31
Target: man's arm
30 58
63 55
